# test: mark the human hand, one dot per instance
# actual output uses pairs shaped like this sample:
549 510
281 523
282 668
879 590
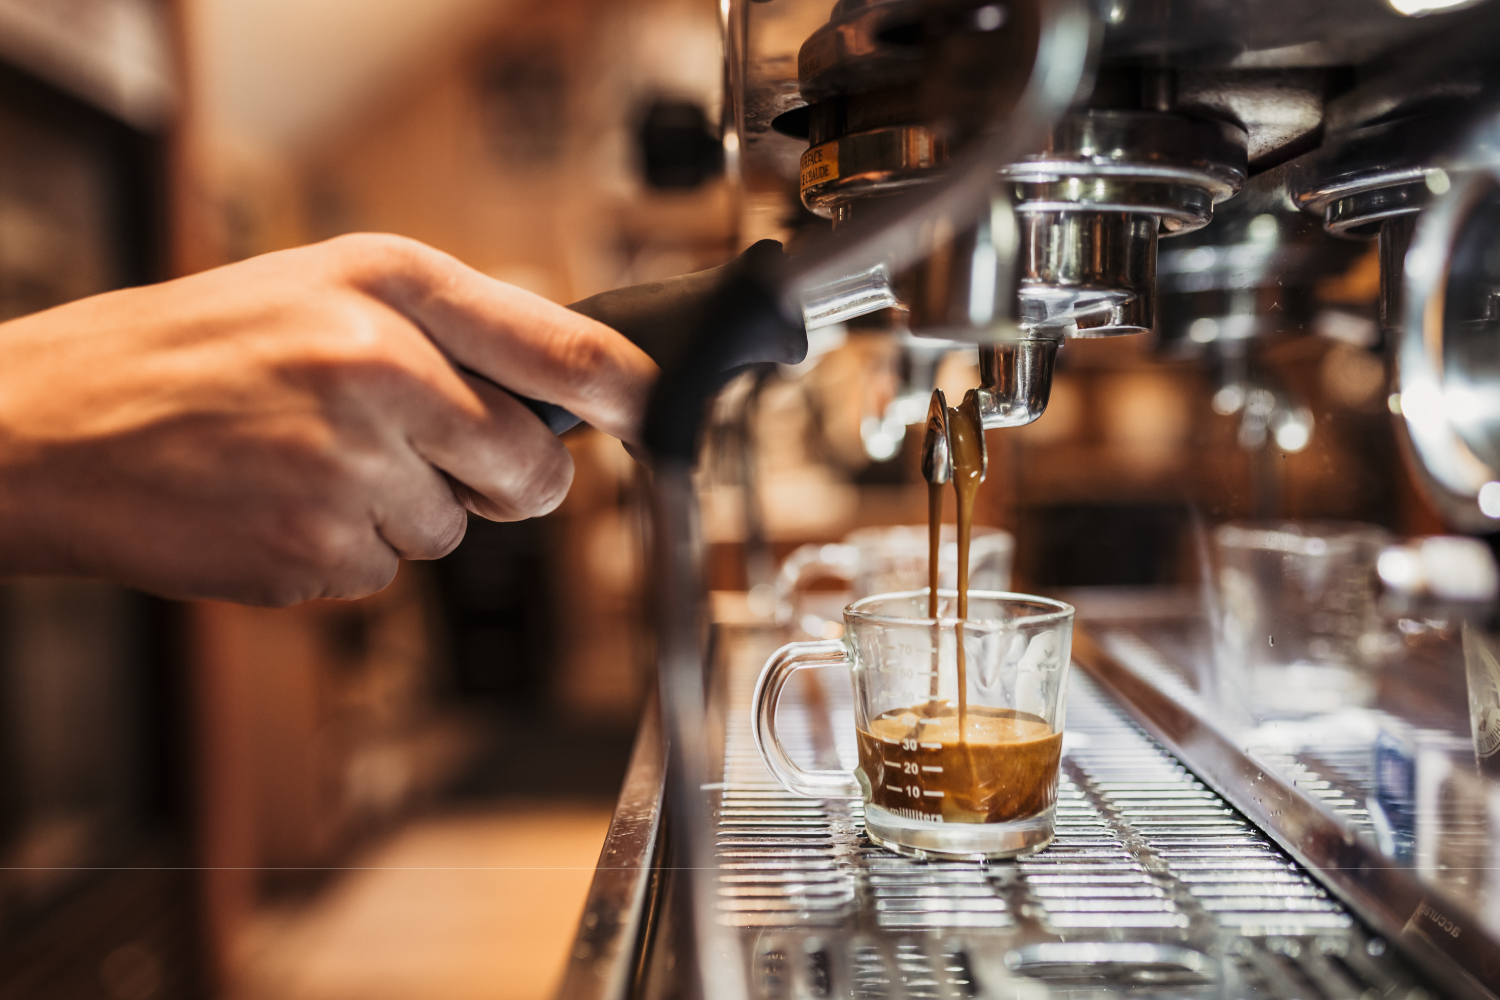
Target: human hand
286 427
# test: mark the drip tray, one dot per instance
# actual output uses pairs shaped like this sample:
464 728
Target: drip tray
1155 885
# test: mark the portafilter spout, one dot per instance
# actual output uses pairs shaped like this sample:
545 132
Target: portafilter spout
937 444
1015 380
937 453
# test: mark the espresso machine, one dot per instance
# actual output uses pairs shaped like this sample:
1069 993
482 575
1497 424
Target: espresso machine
1201 177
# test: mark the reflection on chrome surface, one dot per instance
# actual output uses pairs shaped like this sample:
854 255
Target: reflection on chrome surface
1393 797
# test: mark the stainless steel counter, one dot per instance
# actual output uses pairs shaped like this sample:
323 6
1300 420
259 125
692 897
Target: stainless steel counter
1155 884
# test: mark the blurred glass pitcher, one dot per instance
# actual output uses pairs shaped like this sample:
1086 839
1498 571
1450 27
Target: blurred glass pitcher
1298 630
886 560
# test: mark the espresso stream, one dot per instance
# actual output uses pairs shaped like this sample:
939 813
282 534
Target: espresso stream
935 762
934 551
966 432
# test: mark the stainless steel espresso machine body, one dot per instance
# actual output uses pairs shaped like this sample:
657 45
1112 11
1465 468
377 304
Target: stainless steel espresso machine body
1279 776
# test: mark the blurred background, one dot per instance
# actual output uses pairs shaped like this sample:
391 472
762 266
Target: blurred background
405 796
342 799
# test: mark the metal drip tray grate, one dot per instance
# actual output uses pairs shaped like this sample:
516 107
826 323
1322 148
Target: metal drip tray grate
1154 884
1338 774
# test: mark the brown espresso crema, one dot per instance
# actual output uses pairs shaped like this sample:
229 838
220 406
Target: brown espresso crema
1005 769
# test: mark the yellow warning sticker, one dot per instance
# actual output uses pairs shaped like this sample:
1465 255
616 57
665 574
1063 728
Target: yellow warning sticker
819 165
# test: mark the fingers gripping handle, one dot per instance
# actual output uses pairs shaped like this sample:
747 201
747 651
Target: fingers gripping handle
661 317
778 670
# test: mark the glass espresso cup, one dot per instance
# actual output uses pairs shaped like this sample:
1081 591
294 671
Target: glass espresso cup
927 792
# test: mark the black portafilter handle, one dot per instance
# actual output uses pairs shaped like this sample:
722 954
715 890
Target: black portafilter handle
743 323
663 317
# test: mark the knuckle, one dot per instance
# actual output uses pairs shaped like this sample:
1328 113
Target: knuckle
371 576
594 368
283 593
317 541
363 252
352 356
376 260
579 357
429 536
542 483
322 466
449 538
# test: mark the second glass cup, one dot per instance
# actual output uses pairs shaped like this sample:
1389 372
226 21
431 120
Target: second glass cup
1298 631
931 790
889 559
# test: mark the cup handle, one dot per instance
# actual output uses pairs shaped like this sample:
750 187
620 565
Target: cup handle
809 563
773 677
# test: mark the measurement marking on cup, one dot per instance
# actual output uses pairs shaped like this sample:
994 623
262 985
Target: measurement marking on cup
930 746
934 769
933 795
